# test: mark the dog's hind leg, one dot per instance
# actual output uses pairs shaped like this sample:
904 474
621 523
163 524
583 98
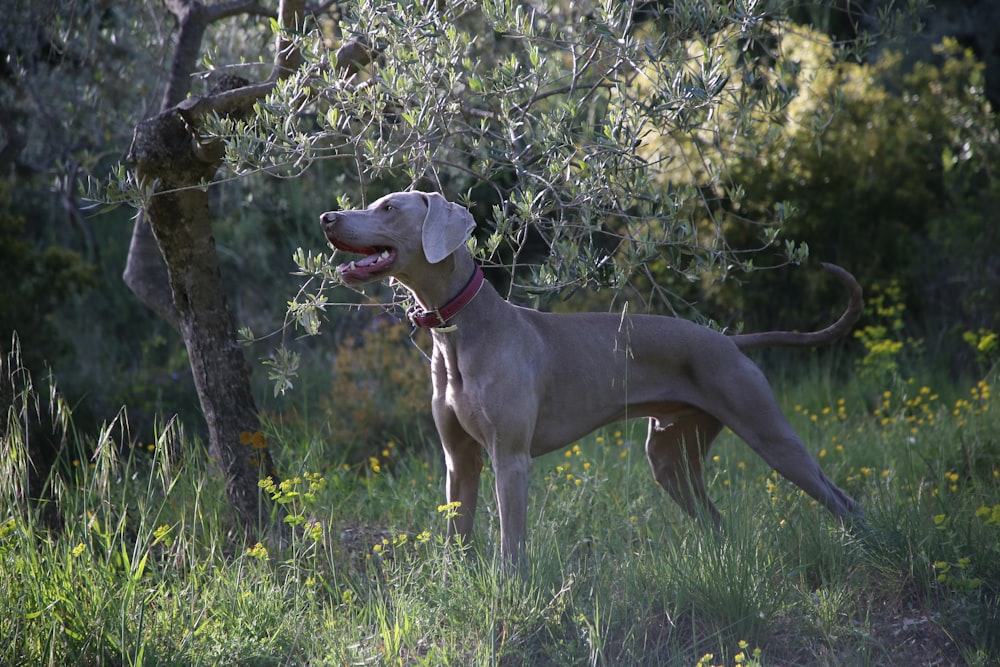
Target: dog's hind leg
785 452
749 408
676 448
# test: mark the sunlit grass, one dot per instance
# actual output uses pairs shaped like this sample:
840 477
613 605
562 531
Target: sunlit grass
140 567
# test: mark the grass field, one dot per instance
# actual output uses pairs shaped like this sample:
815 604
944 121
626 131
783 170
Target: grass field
138 566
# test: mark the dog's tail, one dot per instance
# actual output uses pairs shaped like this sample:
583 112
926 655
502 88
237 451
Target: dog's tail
812 338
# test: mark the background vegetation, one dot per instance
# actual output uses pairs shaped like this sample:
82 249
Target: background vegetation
886 165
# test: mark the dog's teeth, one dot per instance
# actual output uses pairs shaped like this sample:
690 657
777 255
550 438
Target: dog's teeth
351 267
384 255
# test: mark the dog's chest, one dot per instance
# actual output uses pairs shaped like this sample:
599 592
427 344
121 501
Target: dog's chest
462 382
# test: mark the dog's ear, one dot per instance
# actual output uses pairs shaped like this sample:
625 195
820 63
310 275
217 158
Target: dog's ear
446 227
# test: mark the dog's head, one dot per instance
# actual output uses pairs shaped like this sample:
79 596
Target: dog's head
394 232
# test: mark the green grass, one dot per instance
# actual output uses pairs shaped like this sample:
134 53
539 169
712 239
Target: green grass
139 565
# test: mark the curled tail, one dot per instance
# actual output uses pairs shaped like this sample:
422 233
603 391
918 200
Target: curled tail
812 338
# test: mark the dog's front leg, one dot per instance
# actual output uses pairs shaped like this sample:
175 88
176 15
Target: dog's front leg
463 457
464 464
512 500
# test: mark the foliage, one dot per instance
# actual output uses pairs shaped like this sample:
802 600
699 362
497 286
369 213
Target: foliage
74 79
986 345
890 169
63 61
536 119
541 122
35 282
65 56
881 337
960 276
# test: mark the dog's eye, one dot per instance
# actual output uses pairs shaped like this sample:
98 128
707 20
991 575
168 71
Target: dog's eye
388 207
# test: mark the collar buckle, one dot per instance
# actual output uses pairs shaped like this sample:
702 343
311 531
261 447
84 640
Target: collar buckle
428 319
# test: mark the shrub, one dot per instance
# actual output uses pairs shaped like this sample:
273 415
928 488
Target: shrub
885 169
381 389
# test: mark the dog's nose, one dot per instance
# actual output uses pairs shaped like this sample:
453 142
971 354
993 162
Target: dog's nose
328 219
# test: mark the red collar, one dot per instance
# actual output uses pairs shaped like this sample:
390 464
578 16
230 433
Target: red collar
439 317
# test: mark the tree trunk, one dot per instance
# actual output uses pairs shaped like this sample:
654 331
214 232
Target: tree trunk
168 154
179 216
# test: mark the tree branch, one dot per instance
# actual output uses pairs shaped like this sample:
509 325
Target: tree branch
235 8
287 58
191 23
193 19
194 109
239 100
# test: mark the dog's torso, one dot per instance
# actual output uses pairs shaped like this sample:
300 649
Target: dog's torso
500 364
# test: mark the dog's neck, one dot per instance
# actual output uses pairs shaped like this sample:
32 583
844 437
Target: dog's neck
449 277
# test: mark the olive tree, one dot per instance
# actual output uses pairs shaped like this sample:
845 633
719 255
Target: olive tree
587 137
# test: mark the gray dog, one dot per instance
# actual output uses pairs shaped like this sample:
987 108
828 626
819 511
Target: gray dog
521 383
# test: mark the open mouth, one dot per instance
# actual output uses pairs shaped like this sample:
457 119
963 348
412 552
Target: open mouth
375 263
